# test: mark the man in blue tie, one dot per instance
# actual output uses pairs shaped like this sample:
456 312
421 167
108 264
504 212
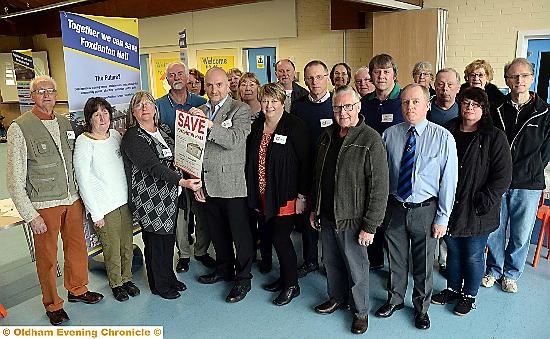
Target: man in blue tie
423 169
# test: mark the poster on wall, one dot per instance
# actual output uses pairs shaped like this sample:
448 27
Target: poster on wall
101 60
190 142
183 47
222 58
24 72
158 63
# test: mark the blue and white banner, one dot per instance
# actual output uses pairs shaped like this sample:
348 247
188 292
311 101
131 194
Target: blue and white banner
101 60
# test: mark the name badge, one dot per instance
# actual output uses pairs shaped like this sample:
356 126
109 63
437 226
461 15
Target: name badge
166 152
387 117
280 139
326 122
227 123
71 135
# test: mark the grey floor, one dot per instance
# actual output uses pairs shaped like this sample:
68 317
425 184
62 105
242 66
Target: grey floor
202 312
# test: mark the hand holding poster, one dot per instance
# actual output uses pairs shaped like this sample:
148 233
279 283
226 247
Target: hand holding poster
190 142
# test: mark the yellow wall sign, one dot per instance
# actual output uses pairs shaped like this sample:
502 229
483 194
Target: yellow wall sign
158 63
222 58
260 61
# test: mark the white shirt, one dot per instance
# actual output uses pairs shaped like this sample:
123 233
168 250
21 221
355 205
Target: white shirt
100 174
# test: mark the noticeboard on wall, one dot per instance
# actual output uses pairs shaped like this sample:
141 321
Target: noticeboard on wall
8 88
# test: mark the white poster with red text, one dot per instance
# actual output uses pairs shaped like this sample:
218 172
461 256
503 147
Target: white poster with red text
190 140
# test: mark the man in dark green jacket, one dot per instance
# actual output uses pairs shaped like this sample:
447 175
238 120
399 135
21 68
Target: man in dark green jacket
349 195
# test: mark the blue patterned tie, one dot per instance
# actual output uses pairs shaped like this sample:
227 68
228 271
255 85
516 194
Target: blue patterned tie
404 186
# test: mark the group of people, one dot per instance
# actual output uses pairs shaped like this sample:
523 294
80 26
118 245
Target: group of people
374 168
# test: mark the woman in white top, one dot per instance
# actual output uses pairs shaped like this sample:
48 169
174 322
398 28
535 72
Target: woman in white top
103 187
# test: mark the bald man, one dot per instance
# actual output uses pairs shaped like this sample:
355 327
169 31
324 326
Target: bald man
224 189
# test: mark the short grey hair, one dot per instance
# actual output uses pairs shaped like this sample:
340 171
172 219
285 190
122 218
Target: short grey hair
520 61
42 78
186 70
364 68
449 70
345 89
422 65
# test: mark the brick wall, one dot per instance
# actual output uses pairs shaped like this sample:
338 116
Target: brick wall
487 29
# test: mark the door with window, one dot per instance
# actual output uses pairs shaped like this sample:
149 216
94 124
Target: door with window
261 61
538 53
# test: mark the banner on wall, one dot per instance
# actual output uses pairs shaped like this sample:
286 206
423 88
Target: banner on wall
222 58
190 142
23 66
158 63
101 60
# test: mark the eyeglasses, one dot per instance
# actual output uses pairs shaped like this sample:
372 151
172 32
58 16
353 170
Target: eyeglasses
43 91
317 77
518 76
360 81
476 75
346 107
473 104
424 74
193 84
338 74
145 104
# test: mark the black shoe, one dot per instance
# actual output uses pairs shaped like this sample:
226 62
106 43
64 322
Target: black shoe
206 260
386 310
376 267
131 289
120 293
172 294
330 306
182 265
421 321
275 286
307 268
180 286
237 293
57 317
443 271
265 267
465 305
213 278
445 297
287 295
88 298
359 325
190 239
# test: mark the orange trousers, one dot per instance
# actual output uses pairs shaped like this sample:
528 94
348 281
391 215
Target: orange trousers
68 221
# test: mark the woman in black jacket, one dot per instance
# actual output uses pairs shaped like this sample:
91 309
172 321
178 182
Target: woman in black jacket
153 184
277 181
485 172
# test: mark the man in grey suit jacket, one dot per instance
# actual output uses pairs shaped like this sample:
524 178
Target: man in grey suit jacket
224 189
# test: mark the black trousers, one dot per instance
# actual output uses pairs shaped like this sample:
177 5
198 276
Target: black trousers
227 220
280 229
310 238
159 261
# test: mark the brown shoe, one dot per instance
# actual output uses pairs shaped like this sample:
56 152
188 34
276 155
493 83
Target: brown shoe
57 317
87 298
360 324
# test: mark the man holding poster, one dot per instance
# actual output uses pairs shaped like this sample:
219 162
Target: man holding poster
179 99
224 189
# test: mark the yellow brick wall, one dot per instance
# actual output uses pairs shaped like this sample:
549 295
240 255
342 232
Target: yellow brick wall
317 41
487 29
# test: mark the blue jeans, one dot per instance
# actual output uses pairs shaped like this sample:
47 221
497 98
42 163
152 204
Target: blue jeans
465 263
519 212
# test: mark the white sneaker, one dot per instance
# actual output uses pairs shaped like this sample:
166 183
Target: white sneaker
509 285
488 281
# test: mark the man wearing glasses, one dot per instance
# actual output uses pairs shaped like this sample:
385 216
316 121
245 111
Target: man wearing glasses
350 205
316 111
363 82
179 98
381 109
42 186
525 119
